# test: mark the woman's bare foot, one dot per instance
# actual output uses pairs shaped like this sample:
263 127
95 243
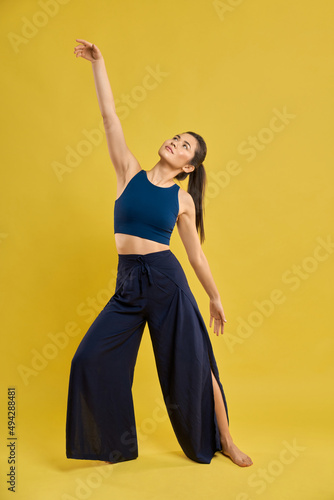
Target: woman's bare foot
237 456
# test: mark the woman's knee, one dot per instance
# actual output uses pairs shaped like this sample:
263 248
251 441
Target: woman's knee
85 356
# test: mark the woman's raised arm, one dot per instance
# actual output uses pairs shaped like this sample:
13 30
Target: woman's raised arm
121 157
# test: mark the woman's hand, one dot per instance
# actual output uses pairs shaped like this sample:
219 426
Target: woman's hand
217 315
87 50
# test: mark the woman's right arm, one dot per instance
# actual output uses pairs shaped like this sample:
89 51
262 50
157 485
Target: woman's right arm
124 162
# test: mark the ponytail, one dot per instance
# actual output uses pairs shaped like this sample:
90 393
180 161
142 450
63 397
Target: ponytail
197 183
196 187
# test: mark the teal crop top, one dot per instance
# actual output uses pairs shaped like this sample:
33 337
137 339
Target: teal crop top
146 210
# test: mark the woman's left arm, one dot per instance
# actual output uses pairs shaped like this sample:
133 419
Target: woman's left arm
186 225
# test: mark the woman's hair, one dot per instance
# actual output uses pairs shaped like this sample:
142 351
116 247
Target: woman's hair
197 181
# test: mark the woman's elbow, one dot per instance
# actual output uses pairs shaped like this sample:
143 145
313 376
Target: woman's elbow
109 116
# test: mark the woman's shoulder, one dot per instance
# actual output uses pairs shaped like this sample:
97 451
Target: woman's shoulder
186 201
185 196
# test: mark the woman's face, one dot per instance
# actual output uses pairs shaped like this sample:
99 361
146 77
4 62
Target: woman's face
179 150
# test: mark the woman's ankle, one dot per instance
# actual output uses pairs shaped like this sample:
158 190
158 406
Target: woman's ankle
226 441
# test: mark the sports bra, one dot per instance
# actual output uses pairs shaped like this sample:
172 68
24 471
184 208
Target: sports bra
146 210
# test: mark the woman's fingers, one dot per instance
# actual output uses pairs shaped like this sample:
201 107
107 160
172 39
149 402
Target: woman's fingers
223 320
87 50
82 47
222 327
83 52
217 317
84 42
79 52
218 324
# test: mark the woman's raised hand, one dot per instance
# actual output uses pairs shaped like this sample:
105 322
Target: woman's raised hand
87 50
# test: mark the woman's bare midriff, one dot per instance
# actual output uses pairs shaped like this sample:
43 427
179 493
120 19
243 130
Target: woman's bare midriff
128 244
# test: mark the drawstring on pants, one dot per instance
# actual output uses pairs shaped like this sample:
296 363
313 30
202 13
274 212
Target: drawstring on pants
145 269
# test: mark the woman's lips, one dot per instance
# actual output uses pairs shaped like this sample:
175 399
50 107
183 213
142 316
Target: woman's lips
169 149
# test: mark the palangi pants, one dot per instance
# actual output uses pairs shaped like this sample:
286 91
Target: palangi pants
100 423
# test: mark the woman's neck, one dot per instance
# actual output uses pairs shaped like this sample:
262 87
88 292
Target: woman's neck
161 175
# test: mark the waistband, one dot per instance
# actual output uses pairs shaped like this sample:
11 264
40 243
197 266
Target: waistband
127 262
165 262
128 258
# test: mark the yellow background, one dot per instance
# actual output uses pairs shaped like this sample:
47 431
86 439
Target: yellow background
228 69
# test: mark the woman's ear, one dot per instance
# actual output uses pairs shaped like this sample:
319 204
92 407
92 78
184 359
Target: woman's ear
188 168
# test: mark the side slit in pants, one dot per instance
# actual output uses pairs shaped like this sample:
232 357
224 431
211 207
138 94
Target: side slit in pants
100 421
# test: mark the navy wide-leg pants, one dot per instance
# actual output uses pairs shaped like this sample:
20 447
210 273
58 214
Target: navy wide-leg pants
100 422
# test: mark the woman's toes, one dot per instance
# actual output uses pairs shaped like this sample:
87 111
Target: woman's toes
237 456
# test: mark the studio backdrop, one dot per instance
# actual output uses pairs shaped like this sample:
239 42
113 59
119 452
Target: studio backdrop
255 79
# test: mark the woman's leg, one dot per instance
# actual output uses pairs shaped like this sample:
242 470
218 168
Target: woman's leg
100 414
184 355
228 447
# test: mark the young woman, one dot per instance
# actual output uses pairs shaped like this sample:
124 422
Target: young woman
150 287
